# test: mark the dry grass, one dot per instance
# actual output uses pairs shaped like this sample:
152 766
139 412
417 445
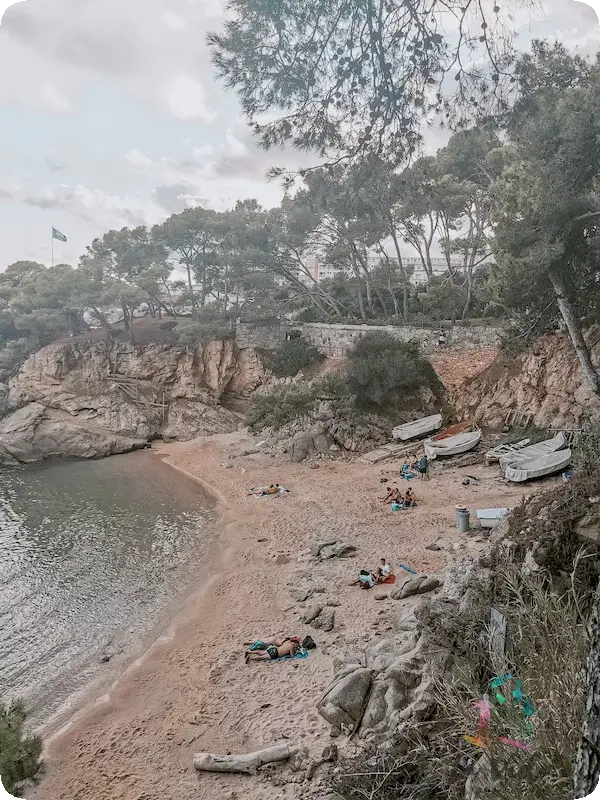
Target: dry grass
546 648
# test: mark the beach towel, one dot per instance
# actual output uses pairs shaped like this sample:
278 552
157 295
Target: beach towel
300 654
390 579
261 492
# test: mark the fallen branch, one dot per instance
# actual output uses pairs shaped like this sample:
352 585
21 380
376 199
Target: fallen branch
249 762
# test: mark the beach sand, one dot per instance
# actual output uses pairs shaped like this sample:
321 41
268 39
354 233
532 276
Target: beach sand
193 692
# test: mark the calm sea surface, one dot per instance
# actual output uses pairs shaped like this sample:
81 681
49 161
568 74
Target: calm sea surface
93 556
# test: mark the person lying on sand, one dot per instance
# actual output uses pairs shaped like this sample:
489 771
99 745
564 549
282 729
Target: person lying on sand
278 641
274 488
384 570
272 651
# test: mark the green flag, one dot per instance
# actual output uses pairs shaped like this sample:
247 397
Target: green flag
58 235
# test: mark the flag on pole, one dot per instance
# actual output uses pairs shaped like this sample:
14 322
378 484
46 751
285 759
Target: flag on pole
58 235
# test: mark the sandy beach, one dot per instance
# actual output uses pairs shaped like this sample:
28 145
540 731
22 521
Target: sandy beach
192 690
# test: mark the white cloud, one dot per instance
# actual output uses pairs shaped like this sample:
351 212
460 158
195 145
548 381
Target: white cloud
137 159
174 21
155 49
187 99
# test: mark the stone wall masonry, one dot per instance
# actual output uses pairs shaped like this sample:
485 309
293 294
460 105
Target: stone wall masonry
335 340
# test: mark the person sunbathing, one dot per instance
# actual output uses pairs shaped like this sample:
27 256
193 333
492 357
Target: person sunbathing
367 579
278 641
394 495
410 501
272 652
384 570
398 501
391 493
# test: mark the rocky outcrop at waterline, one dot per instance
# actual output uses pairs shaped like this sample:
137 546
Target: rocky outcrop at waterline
545 382
96 398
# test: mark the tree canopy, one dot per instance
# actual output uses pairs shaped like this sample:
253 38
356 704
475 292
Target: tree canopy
343 78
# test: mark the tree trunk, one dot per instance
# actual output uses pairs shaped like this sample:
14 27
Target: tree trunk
191 287
574 327
587 766
361 302
403 271
248 763
125 311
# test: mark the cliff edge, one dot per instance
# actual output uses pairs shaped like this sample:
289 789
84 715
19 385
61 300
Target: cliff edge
89 399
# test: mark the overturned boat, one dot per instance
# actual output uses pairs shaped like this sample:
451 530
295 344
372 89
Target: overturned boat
540 467
419 427
452 445
533 451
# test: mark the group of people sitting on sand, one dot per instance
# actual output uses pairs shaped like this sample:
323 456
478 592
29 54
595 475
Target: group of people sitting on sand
274 647
397 501
369 579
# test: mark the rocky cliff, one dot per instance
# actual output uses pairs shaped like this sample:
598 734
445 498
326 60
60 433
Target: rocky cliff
545 382
95 398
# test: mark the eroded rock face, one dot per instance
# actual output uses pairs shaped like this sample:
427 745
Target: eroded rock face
34 432
90 399
545 382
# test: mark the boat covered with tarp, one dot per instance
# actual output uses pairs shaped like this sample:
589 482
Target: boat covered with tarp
533 451
419 427
539 467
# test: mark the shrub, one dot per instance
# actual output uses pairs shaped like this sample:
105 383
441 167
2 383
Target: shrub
195 332
292 356
287 403
384 372
546 649
19 753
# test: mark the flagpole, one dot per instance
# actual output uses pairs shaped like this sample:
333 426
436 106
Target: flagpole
53 248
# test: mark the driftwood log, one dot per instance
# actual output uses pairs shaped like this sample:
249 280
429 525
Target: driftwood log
248 762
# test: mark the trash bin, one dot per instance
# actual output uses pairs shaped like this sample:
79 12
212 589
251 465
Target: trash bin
463 521
458 510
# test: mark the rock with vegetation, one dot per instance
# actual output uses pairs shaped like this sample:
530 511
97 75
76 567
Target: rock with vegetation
20 753
96 398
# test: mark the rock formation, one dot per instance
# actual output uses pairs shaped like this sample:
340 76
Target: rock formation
95 398
545 382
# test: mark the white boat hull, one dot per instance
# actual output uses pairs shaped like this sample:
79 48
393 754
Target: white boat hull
420 427
453 445
540 467
534 451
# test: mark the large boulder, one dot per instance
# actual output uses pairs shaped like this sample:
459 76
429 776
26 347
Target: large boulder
33 433
417 585
344 701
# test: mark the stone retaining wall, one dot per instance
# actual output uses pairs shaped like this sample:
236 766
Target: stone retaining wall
335 340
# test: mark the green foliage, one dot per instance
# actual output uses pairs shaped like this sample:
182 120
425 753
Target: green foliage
355 77
20 753
546 648
293 355
287 403
385 373
195 332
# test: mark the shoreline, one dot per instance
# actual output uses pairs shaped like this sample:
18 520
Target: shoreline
160 632
161 708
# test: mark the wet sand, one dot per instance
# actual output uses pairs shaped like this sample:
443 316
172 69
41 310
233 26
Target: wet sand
192 690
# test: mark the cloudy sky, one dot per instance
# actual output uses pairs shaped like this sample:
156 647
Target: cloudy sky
110 116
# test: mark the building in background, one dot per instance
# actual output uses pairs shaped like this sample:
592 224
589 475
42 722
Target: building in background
320 270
